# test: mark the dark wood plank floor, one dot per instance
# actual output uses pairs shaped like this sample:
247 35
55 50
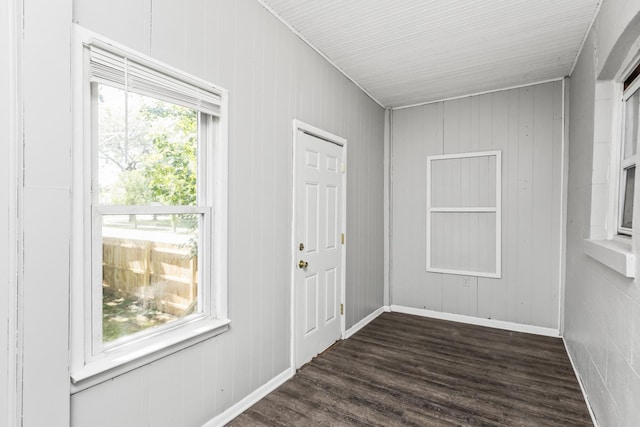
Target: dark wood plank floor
409 370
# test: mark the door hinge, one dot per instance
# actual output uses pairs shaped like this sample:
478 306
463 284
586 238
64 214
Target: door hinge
343 167
342 309
342 238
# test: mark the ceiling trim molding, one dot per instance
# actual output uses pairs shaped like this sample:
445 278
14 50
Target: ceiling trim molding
304 39
478 93
584 39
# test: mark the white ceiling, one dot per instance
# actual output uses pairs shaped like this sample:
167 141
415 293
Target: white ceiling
404 52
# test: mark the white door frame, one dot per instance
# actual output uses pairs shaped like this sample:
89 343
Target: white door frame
319 133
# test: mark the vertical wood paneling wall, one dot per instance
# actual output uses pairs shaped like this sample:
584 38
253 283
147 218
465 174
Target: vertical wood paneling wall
526 124
273 77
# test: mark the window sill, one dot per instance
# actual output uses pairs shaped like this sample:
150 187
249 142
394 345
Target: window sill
615 254
144 352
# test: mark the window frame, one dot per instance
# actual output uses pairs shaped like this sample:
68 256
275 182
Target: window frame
497 210
632 87
92 362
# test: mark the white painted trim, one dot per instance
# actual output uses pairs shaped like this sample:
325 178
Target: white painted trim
619 123
345 171
584 39
143 352
419 104
301 126
464 272
250 400
318 51
386 207
616 255
497 209
465 209
315 131
149 210
582 388
465 155
490 323
390 210
220 220
292 258
364 322
615 163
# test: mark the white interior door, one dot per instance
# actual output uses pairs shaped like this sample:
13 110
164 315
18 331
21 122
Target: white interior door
318 270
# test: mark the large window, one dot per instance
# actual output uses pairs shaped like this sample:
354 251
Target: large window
150 209
150 183
629 147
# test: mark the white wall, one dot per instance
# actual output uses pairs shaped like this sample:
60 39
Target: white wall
615 28
46 218
5 245
526 124
602 315
273 77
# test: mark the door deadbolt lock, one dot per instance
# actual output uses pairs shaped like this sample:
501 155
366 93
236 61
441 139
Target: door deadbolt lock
303 264
301 247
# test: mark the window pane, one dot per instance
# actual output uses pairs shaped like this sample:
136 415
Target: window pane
631 125
149 273
147 150
627 210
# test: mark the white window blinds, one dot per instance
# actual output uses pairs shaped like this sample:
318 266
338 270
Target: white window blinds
115 68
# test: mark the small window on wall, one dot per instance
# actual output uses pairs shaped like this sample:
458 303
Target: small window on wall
628 152
150 206
464 214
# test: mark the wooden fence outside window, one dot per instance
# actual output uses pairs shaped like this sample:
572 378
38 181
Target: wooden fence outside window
163 274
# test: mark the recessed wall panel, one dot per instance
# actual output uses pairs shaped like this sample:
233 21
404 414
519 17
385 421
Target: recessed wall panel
463 182
464 241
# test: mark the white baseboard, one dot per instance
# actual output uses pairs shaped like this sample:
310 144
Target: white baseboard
491 323
584 392
228 415
364 322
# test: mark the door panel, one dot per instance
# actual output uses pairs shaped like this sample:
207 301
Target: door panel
331 300
318 222
311 303
311 217
332 217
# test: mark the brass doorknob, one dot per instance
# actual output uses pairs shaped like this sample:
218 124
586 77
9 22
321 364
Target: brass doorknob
303 264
